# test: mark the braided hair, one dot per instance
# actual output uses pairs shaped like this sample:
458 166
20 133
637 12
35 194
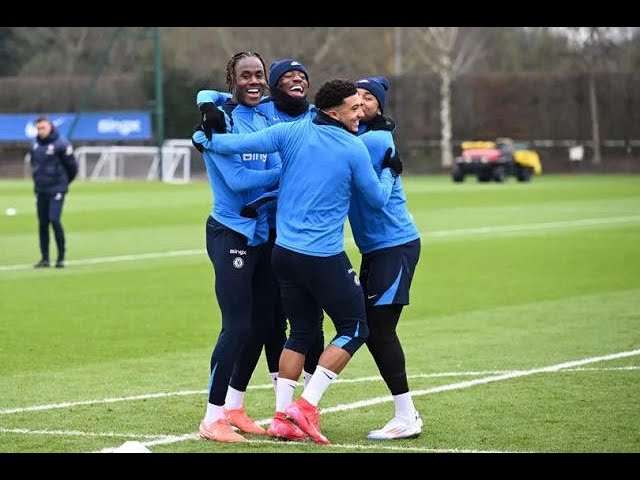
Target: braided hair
231 67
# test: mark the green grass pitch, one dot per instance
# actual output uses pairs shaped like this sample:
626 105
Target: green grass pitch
515 281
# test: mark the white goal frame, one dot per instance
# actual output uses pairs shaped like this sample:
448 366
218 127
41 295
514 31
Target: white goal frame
110 163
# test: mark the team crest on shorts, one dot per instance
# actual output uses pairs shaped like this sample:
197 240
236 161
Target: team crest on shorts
356 280
238 262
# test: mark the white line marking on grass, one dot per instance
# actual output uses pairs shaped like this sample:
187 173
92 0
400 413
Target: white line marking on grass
610 369
585 222
345 446
381 446
416 393
78 433
481 381
265 386
53 406
524 227
461 232
165 440
115 259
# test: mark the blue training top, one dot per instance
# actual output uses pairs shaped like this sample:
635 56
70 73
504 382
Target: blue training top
274 115
321 162
393 225
238 179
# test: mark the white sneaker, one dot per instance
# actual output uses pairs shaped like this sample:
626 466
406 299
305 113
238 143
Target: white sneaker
398 428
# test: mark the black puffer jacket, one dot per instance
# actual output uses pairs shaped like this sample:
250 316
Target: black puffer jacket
53 164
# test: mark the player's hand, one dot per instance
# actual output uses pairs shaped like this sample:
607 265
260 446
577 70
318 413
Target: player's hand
212 119
393 162
249 211
198 137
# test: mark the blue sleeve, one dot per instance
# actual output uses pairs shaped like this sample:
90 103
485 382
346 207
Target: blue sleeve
376 192
213 96
268 140
273 160
240 178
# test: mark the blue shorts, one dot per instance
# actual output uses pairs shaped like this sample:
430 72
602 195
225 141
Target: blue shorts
386 274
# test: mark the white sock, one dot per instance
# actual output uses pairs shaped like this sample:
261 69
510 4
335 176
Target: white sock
214 412
284 393
318 384
306 376
274 380
404 406
234 399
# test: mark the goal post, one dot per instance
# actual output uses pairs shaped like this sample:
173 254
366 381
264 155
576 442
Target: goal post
110 163
116 162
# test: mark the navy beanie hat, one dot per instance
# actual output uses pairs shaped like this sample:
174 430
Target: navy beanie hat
378 87
280 67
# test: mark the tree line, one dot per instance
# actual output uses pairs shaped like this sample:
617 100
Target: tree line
326 51
195 57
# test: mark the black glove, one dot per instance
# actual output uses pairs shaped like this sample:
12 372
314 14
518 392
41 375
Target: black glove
198 128
212 119
249 211
393 162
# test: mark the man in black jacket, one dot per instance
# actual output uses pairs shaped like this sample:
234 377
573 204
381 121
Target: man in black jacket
54 166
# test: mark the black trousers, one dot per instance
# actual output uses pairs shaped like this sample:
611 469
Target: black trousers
49 206
246 297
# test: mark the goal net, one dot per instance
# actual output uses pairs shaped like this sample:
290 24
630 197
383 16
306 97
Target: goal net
109 163
123 162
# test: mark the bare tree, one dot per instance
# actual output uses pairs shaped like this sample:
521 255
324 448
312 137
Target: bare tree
449 52
46 50
594 48
326 51
132 49
76 50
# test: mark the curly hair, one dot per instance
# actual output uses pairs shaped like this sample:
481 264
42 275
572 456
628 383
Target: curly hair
231 67
332 93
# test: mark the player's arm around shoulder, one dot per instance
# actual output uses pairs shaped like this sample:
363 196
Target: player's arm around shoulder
214 120
377 143
212 96
376 191
360 160
239 178
267 140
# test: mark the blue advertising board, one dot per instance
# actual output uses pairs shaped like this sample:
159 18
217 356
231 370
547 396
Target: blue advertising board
91 126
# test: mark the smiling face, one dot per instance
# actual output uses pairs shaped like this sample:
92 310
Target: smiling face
349 112
250 81
294 83
370 105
